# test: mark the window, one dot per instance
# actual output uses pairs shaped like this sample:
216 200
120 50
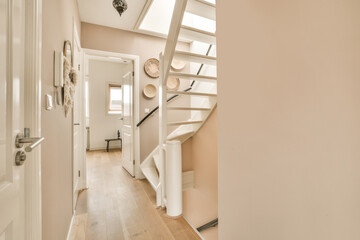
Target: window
115 99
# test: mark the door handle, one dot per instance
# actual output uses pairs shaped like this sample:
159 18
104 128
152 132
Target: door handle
76 124
20 158
21 139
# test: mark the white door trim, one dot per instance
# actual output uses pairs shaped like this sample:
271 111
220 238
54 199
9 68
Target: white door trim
112 56
82 180
82 147
33 36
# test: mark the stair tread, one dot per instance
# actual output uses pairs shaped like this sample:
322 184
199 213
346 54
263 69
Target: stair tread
203 2
184 122
198 30
201 78
189 108
192 93
179 134
194 57
201 8
195 34
177 52
192 76
152 176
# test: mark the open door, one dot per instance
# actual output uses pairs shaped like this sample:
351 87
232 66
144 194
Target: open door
79 148
128 123
14 200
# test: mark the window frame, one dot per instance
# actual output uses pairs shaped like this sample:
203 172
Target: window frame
110 111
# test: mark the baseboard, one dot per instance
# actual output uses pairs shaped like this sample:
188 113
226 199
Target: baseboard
71 226
194 228
103 148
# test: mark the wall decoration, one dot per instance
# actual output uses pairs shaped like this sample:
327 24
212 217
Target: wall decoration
68 51
73 76
150 91
120 6
69 90
151 68
178 65
173 83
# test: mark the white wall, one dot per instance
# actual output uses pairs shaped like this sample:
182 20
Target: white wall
102 125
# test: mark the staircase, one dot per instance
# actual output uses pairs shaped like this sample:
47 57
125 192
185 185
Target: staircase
202 91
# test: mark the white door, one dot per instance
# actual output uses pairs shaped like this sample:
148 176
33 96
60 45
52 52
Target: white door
127 127
12 189
78 124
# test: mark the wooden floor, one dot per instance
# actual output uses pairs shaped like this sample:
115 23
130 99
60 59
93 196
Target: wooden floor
116 206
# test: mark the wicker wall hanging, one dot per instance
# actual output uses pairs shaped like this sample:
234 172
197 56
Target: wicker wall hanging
151 68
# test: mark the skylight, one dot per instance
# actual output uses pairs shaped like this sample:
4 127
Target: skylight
159 16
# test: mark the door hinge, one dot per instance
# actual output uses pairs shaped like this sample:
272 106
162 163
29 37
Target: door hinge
78 67
79 173
133 74
134 162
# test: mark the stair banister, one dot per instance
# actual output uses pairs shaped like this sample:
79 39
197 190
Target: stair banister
175 96
155 165
165 63
162 128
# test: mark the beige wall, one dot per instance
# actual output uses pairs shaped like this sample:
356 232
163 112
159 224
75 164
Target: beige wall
289 119
200 205
57 148
115 40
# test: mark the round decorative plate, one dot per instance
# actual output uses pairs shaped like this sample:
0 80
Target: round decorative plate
150 91
178 65
151 67
173 84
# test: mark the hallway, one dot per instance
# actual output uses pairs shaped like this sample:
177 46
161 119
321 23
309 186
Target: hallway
117 207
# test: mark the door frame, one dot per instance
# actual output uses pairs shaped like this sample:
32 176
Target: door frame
113 57
32 114
81 162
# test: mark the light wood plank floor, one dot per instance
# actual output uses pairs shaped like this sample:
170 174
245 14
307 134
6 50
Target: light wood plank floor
116 206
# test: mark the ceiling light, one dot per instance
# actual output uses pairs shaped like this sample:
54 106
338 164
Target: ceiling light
120 6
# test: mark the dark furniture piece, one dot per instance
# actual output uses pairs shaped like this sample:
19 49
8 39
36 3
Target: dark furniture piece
113 139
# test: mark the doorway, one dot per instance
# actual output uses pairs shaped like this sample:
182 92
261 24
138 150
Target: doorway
104 79
111 97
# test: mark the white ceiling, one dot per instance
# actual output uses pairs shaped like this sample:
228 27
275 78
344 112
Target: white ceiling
101 12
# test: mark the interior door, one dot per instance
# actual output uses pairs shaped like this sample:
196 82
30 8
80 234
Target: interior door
128 123
78 124
12 189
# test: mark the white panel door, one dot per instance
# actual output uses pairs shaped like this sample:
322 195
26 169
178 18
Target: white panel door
78 124
128 123
12 190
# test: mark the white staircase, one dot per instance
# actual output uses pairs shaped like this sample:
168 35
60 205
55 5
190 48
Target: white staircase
154 165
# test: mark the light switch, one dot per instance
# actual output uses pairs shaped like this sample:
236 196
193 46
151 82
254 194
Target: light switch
49 102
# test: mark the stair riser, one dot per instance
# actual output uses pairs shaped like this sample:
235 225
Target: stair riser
197 36
201 9
195 59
